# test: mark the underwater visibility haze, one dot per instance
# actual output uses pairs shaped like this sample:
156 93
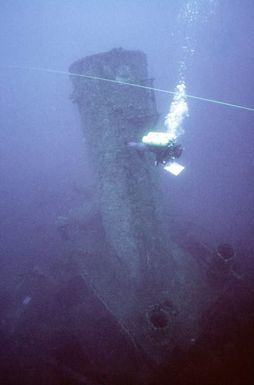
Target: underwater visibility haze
126 192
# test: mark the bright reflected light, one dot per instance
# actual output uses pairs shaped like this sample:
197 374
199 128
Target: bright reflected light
156 138
174 168
177 112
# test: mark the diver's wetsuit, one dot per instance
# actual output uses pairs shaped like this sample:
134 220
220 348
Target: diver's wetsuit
163 154
166 154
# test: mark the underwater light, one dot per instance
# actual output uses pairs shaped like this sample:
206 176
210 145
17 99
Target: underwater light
174 168
160 139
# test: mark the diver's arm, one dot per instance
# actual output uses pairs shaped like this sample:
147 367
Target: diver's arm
137 146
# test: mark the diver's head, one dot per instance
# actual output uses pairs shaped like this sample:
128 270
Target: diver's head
177 151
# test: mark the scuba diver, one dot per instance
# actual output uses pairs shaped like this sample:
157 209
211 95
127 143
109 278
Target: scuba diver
167 154
165 149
